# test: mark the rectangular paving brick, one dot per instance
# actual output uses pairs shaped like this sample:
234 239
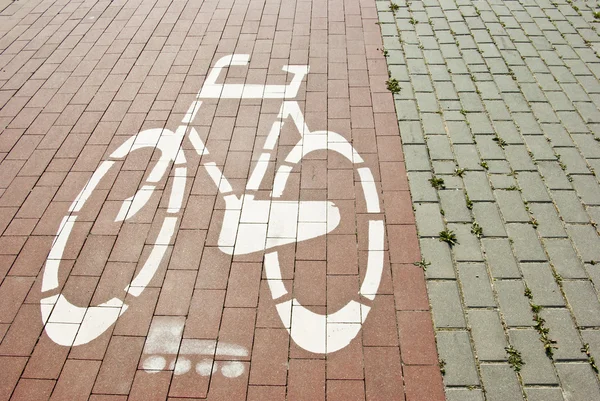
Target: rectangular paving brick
352 390
46 361
306 379
380 329
12 293
269 357
418 341
423 381
10 374
33 389
488 334
150 387
501 379
446 305
75 387
537 368
383 385
176 293
119 366
23 334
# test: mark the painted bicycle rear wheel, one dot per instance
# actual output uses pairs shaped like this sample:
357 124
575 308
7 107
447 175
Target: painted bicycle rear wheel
69 323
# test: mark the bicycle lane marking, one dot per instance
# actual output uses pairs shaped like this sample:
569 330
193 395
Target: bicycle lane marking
311 331
363 117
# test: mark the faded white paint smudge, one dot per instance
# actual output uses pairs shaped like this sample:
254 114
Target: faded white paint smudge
232 369
204 367
182 366
154 363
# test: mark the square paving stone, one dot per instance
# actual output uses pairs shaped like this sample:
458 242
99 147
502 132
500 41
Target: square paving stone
488 335
513 303
454 348
525 242
500 382
540 280
475 284
578 381
446 305
500 258
537 367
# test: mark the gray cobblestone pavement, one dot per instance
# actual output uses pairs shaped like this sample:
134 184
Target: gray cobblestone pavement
499 108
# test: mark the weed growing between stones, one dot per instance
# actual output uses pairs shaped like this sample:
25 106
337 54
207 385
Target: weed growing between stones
393 85
459 172
540 326
501 142
449 237
437 183
476 230
586 350
469 202
514 358
423 264
442 365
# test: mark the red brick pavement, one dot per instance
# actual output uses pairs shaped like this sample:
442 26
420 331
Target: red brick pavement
78 79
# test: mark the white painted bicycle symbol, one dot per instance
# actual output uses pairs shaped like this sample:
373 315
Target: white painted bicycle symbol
249 225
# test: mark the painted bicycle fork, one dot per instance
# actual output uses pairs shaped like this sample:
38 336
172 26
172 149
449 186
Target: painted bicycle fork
281 222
